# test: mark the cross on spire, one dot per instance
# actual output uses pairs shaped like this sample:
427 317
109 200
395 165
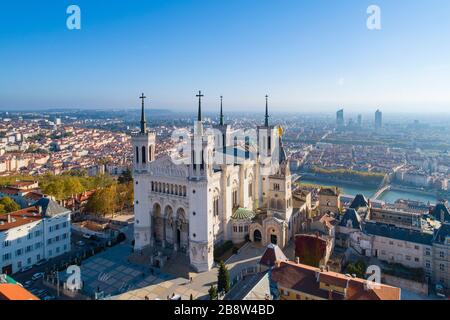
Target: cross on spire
221 111
266 121
199 96
143 121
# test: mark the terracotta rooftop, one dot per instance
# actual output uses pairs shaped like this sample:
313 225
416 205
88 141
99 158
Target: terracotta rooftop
19 218
306 279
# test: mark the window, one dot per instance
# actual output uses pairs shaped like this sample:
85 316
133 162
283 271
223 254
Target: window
250 189
7 256
7 243
416 259
416 247
442 267
29 236
137 154
144 155
235 198
19 252
216 205
441 254
276 187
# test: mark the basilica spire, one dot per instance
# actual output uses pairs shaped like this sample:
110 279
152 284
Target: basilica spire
143 121
221 111
199 96
266 120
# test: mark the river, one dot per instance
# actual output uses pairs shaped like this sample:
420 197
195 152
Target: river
389 196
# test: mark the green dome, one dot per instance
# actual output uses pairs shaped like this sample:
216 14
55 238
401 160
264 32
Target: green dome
243 214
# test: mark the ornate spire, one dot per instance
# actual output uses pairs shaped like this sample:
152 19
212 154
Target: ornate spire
221 111
199 96
266 120
143 121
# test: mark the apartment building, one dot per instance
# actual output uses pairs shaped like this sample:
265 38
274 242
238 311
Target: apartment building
36 233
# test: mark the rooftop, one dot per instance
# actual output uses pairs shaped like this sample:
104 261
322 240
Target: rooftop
306 279
10 291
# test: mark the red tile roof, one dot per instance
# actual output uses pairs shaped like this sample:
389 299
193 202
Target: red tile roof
19 218
306 279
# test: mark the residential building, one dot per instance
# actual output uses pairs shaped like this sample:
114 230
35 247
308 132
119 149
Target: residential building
30 235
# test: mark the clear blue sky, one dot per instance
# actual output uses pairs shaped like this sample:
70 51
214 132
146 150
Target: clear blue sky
306 54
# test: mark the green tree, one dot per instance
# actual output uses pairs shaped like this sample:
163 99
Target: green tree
358 269
126 176
213 295
223 278
9 205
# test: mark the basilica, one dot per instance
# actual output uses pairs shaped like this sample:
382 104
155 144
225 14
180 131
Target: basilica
225 189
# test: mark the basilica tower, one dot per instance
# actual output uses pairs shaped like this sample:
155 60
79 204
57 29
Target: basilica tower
144 152
267 144
201 238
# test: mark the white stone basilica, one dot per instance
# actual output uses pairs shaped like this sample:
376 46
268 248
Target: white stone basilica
192 206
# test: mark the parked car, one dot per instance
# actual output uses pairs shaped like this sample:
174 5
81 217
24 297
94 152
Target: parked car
80 243
42 292
37 276
40 262
24 269
27 284
87 236
49 298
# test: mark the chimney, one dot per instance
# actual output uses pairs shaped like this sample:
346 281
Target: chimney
297 260
9 218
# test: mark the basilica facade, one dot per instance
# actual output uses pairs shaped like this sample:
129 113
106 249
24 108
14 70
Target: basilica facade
219 188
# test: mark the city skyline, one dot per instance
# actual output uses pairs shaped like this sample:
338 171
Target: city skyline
306 56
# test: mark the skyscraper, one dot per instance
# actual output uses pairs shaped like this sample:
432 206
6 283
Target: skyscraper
359 120
340 118
378 119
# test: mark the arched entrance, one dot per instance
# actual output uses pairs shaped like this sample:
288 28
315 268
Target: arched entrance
257 237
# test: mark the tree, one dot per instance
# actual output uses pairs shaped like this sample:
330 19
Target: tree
358 269
191 297
102 202
126 176
9 205
223 278
213 293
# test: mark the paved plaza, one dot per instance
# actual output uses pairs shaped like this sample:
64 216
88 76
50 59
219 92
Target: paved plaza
111 273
